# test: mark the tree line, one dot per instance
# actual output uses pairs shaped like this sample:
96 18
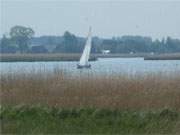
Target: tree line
21 40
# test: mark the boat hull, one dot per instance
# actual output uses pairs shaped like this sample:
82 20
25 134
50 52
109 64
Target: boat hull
84 66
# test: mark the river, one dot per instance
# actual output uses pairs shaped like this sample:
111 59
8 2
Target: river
102 66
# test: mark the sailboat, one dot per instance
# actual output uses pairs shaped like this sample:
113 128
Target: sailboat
83 63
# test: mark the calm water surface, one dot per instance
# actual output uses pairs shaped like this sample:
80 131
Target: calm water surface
102 66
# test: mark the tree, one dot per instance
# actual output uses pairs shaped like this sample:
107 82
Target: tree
4 41
21 36
39 49
157 47
70 42
173 45
6 45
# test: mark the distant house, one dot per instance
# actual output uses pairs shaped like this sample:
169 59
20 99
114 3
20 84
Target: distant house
152 53
105 51
131 53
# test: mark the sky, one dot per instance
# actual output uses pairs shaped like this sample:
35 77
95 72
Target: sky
108 18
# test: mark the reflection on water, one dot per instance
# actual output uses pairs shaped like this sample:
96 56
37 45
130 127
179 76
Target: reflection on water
102 66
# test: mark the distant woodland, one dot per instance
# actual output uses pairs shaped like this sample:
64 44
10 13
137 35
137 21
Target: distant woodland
21 40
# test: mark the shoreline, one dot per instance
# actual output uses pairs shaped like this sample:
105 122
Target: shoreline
174 56
76 57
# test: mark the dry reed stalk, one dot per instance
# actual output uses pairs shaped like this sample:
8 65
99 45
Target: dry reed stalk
116 91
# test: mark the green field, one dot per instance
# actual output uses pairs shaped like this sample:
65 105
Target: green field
46 120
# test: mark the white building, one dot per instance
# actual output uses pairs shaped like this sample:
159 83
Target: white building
105 51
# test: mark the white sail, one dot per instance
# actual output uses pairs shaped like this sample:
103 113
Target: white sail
86 52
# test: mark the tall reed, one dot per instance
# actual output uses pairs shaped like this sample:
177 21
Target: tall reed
62 89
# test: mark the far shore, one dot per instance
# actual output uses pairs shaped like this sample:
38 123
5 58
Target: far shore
41 57
174 56
76 57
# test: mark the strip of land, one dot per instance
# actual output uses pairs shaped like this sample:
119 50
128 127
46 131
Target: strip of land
41 57
175 56
76 57
60 57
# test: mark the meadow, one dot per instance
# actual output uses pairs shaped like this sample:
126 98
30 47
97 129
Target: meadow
45 120
59 102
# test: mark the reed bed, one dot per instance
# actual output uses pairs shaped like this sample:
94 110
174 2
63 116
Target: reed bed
61 89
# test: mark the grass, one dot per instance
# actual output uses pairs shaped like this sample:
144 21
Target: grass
139 104
43 120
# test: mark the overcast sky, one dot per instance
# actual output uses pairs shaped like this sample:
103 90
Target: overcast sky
108 18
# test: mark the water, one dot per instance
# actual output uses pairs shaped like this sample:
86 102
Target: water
102 66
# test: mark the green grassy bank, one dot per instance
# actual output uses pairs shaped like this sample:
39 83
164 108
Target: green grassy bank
46 120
